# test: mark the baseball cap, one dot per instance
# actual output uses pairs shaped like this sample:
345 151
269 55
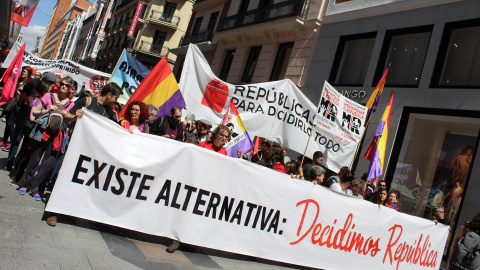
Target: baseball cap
205 122
49 77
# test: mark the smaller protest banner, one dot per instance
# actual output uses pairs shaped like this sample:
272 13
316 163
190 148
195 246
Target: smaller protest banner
128 74
94 79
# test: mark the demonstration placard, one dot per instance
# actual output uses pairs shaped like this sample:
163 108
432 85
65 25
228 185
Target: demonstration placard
128 74
278 111
94 79
167 188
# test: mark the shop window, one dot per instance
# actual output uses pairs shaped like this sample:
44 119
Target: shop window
406 50
281 61
431 160
458 61
251 64
227 63
352 59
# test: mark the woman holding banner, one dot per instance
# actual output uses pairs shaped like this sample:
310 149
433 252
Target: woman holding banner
136 115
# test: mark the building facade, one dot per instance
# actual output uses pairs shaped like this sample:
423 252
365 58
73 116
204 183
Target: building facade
92 34
432 48
160 27
63 12
257 40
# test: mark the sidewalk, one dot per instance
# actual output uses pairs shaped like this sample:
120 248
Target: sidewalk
27 242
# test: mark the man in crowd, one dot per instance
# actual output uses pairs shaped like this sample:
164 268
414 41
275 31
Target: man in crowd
381 184
438 215
317 160
37 75
169 126
265 147
203 127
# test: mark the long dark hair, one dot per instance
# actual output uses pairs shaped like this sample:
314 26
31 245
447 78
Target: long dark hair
474 224
376 197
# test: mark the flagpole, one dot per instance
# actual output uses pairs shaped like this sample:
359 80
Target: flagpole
308 141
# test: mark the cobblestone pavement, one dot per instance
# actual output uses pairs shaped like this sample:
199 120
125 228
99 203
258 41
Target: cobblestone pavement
27 242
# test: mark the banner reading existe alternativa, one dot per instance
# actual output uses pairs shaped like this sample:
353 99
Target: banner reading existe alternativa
163 187
277 110
94 79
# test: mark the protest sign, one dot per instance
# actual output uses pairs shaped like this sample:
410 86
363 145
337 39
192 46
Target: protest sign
277 110
128 74
161 187
94 79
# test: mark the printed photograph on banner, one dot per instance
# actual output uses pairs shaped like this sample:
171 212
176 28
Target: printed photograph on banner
341 115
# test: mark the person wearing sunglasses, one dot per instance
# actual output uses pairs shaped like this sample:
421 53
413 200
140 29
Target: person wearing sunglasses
169 126
48 142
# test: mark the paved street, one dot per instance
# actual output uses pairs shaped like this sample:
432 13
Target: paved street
27 242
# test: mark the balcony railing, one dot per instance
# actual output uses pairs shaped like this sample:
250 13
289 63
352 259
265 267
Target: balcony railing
156 15
151 48
124 3
200 36
290 8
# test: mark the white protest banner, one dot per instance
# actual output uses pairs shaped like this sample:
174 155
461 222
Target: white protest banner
277 110
128 74
94 79
167 188
340 115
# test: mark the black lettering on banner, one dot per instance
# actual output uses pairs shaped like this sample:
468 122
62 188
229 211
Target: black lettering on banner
121 187
251 207
238 213
175 196
257 216
164 192
143 187
239 88
79 169
261 93
200 201
250 91
226 208
189 189
109 178
96 173
134 176
213 204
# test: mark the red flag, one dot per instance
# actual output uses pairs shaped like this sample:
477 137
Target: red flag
23 14
11 75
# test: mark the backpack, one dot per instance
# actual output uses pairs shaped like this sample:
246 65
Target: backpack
467 256
55 118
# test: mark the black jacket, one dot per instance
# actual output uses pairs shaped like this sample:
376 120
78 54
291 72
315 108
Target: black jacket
159 127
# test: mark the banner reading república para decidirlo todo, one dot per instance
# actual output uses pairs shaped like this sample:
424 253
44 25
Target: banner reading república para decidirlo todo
94 79
167 188
278 111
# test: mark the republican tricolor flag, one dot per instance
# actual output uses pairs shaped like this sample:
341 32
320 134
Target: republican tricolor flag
240 138
160 89
372 102
376 152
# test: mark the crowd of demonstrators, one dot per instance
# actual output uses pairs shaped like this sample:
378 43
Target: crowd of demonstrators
46 115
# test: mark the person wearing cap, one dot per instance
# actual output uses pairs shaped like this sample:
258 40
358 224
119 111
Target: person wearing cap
203 127
51 78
